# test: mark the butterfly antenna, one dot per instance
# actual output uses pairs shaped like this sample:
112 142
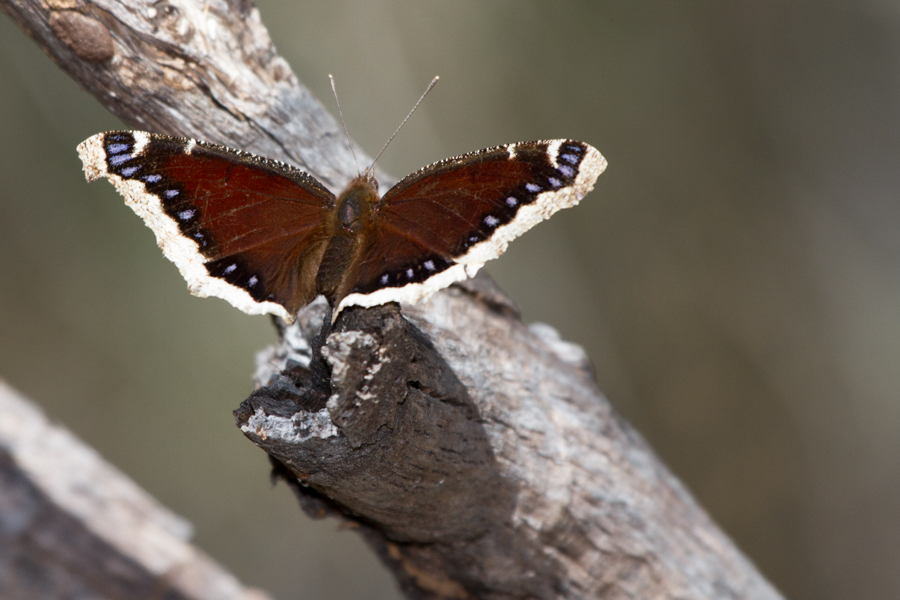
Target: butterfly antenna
428 89
340 112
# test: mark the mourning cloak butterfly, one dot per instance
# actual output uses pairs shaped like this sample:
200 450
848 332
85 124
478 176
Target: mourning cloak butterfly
269 238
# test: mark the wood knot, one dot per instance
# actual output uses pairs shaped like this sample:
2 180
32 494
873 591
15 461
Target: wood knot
88 38
168 16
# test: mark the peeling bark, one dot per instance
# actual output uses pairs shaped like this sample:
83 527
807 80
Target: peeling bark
482 459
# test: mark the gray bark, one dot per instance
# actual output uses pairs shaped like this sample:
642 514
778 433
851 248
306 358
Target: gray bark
476 453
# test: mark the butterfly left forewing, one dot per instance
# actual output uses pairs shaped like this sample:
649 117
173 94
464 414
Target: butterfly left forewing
237 226
442 223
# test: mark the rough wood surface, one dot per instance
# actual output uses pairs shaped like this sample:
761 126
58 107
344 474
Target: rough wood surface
477 453
484 459
72 526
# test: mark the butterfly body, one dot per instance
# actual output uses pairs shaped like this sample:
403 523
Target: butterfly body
352 224
269 238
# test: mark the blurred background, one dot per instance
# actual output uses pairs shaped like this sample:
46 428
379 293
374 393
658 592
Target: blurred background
735 275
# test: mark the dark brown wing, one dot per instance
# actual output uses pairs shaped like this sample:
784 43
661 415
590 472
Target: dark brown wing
238 226
445 221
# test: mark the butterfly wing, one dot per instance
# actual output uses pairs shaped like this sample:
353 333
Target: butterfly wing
442 223
237 226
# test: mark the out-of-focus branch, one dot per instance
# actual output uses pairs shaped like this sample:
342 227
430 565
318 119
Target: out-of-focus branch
72 526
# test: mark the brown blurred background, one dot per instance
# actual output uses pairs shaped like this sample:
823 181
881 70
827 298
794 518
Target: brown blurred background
735 275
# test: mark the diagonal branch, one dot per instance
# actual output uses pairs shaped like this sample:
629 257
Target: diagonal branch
477 453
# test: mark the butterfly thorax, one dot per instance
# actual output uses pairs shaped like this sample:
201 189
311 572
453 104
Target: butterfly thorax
354 205
350 226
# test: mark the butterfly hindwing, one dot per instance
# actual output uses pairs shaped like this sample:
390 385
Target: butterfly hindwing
442 223
233 223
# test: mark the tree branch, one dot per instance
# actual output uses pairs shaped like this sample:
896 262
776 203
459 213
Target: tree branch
477 453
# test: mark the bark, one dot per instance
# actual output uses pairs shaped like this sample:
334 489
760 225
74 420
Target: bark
476 453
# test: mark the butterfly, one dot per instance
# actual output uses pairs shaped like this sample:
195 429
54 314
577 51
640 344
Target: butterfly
269 238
